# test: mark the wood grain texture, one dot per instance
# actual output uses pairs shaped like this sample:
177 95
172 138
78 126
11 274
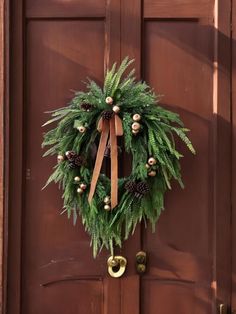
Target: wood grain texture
178 8
64 8
131 35
183 297
131 21
62 53
181 58
2 132
173 49
15 187
112 33
233 244
222 176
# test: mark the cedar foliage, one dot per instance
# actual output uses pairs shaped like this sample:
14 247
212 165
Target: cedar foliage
156 138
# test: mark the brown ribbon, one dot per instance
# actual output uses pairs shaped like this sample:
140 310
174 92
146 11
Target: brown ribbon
112 127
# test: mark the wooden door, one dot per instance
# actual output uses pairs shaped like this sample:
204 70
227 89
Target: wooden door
182 50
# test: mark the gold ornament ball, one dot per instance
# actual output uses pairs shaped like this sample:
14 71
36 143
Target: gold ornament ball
109 100
116 109
152 173
81 129
141 268
152 161
83 186
136 117
107 200
80 191
107 207
60 158
136 126
135 132
77 179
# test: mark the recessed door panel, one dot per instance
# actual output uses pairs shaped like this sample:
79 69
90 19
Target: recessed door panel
60 54
175 297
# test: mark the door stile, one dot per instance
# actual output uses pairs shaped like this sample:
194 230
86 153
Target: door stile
131 17
16 175
233 140
112 286
4 145
112 33
222 154
131 26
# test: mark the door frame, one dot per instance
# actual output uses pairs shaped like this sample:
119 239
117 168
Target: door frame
4 141
6 145
233 95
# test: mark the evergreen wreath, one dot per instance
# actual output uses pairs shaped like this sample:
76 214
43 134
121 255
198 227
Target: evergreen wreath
87 130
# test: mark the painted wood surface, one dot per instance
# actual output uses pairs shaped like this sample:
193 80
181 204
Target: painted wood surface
182 48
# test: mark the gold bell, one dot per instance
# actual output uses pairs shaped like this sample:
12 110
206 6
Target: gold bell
116 109
81 129
136 117
107 207
77 179
109 100
136 126
152 161
107 200
152 173
80 191
60 158
83 186
135 132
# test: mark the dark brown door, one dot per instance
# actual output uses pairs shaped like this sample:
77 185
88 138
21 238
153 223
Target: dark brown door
182 49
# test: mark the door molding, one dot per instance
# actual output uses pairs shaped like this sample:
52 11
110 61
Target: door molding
233 139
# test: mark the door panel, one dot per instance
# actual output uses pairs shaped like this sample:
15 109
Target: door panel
173 52
171 297
179 54
60 54
67 296
168 68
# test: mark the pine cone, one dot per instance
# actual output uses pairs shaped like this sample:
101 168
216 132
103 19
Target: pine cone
107 115
72 165
78 161
141 189
71 155
86 107
130 186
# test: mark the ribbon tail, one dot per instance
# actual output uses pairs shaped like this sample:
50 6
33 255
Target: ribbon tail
118 126
100 125
114 164
99 159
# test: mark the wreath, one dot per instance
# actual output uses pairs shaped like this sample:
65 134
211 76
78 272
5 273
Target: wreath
94 129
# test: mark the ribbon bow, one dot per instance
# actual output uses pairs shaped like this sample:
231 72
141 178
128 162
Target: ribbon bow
112 127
